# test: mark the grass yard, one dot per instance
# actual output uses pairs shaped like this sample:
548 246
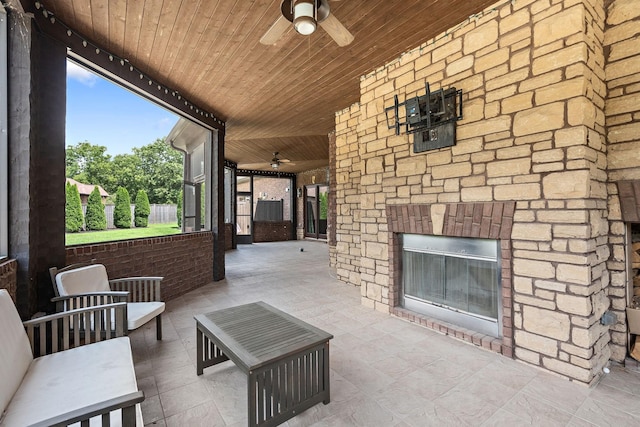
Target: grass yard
152 230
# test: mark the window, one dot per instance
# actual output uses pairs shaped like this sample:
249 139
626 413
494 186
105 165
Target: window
4 173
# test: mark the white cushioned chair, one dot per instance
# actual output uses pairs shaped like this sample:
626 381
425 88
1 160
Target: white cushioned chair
87 284
55 374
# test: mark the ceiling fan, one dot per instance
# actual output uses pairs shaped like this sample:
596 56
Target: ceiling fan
305 16
276 161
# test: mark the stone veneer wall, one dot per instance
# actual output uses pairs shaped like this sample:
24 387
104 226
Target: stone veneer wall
184 260
622 115
532 75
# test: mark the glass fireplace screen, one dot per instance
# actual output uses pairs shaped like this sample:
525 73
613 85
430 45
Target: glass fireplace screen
454 279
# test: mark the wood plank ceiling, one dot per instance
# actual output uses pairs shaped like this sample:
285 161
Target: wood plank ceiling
274 98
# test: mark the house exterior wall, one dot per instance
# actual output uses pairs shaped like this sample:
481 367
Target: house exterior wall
184 260
533 133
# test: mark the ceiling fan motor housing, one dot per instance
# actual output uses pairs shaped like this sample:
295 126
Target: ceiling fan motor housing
320 8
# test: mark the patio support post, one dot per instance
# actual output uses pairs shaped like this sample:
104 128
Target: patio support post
37 108
217 204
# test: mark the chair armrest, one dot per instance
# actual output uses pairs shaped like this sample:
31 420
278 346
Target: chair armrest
88 299
73 328
141 289
126 402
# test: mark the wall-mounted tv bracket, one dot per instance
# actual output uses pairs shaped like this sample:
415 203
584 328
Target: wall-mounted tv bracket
430 117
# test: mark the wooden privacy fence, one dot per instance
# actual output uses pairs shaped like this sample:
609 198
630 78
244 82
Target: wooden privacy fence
160 214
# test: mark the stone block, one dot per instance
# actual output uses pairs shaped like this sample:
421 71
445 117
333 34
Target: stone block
480 37
451 171
491 60
534 232
514 21
559 26
517 191
581 111
576 274
411 166
566 185
536 343
579 305
519 102
561 91
476 194
483 127
535 269
447 50
539 119
459 66
624 133
622 11
560 58
567 369
521 166
546 323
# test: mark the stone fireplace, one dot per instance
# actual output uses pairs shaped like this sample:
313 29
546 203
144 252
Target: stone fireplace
533 167
487 220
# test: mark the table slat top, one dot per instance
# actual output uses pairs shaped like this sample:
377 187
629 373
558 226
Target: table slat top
259 334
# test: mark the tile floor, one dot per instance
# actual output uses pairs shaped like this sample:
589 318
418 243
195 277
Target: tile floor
384 371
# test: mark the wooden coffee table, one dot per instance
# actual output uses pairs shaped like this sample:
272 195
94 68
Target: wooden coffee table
286 360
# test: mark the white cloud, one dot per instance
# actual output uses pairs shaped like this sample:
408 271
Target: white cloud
80 74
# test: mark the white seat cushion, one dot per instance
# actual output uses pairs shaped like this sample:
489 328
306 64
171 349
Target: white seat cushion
92 278
73 379
139 313
15 350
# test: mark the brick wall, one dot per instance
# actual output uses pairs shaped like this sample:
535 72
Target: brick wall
8 277
622 115
533 131
184 260
272 231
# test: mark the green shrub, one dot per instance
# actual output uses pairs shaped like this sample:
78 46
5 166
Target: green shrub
73 209
142 209
122 209
95 217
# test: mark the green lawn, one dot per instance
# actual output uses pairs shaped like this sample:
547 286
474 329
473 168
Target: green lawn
152 230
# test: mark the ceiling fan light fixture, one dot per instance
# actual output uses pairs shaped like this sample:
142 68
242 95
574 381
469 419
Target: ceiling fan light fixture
275 165
304 17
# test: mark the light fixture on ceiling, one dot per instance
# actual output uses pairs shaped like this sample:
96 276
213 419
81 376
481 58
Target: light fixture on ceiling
275 164
305 16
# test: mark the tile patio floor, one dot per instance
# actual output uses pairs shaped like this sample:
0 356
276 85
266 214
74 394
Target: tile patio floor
384 371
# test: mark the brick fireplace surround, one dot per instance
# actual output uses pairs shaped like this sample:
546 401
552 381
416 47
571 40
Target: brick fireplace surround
477 220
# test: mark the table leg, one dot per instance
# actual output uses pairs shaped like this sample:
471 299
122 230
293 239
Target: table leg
199 352
252 398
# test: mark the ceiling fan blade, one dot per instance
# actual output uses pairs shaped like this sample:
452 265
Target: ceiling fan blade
276 31
336 30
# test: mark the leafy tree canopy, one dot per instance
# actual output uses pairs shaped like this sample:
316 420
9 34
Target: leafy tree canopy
155 168
90 164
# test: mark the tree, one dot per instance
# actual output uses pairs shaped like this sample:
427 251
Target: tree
95 217
142 209
127 173
89 164
73 209
161 168
122 209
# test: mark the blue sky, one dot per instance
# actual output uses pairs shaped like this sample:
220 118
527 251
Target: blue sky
104 113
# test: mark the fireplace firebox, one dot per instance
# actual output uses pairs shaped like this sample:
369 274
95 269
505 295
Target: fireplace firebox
453 279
